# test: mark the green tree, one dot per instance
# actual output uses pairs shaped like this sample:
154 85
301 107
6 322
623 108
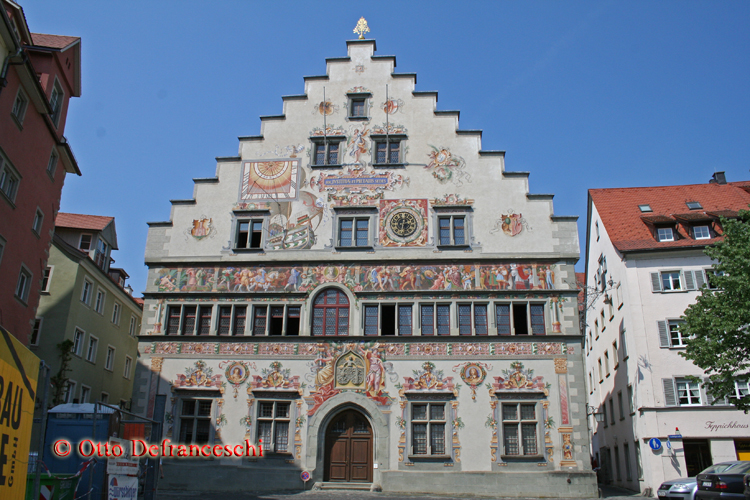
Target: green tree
59 381
718 324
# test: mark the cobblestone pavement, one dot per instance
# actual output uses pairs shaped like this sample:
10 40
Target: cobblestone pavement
610 493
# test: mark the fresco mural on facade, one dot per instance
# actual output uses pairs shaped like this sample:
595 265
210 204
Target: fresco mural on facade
392 106
202 227
355 179
199 376
403 223
270 180
326 108
275 377
328 131
519 378
355 199
236 373
473 374
389 129
438 277
511 224
337 369
450 200
428 379
447 167
357 144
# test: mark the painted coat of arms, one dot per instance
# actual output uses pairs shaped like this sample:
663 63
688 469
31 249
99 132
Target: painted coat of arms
201 375
518 378
201 228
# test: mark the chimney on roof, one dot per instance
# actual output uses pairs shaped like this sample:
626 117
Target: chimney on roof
718 178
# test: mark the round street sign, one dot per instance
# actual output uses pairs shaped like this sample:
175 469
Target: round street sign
654 443
305 476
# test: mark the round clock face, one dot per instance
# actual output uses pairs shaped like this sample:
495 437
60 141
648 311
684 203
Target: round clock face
403 224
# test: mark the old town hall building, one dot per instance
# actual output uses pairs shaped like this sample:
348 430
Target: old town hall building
372 295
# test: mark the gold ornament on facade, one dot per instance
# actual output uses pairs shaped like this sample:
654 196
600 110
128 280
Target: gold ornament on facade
156 364
561 365
361 28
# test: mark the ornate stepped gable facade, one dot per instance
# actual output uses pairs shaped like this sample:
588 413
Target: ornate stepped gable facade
373 295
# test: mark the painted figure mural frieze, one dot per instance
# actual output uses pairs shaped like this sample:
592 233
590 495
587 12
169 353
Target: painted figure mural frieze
428 379
276 377
199 376
358 278
520 378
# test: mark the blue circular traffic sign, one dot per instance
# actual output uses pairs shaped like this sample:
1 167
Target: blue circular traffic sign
654 443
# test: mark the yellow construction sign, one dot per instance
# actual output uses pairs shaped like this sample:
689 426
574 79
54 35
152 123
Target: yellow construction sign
19 370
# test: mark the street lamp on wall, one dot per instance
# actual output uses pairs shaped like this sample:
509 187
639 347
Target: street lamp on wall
599 416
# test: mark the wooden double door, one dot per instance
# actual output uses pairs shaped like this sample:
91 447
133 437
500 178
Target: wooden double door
348 448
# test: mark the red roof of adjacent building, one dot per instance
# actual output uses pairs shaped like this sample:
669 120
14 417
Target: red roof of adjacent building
81 221
630 229
53 41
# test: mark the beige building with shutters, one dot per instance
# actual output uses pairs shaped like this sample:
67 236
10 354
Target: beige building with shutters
644 265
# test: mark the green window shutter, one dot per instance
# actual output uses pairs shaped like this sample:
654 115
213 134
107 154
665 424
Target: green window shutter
663 334
655 282
670 395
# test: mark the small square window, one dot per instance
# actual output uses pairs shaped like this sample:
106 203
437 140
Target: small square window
249 234
693 205
675 335
387 152
85 242
354 232
670 281
645 208
357 107
701 233
327 152
665 234
452 230
688 392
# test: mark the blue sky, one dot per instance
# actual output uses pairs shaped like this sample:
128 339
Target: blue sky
581 94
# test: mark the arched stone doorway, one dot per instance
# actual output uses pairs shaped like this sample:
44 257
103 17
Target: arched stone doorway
348 448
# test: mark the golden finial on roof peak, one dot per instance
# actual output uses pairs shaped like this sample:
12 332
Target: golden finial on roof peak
361 28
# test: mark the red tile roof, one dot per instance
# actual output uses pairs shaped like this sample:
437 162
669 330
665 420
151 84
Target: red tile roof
629 229
81 221
53 41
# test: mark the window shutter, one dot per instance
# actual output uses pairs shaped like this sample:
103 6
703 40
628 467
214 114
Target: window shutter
663 334
700 279
689 280
670 396
709 398
655 282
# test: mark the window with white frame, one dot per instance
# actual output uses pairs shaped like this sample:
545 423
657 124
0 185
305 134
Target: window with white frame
388 319
472 319
249 234
85 394
276 320
428 428
19 106
70 391
52 163
435 319
452 230
519 425
195 420
665 234
46 277
86 291
328 151
701 232
681 392
274 418
78 337
109 363
92 348
741 389
520 318
104 398
9 179
36 331
116 308
128 367
670 281
101 297
101 257
23 285
670 334
133 325
56 102
232 320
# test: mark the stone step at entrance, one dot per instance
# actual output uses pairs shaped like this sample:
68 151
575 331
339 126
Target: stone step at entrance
336 485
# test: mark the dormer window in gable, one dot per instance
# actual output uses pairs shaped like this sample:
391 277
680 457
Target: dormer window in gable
697 224
664 228
665 234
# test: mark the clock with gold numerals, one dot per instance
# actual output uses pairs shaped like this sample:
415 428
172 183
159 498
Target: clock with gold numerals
403 225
